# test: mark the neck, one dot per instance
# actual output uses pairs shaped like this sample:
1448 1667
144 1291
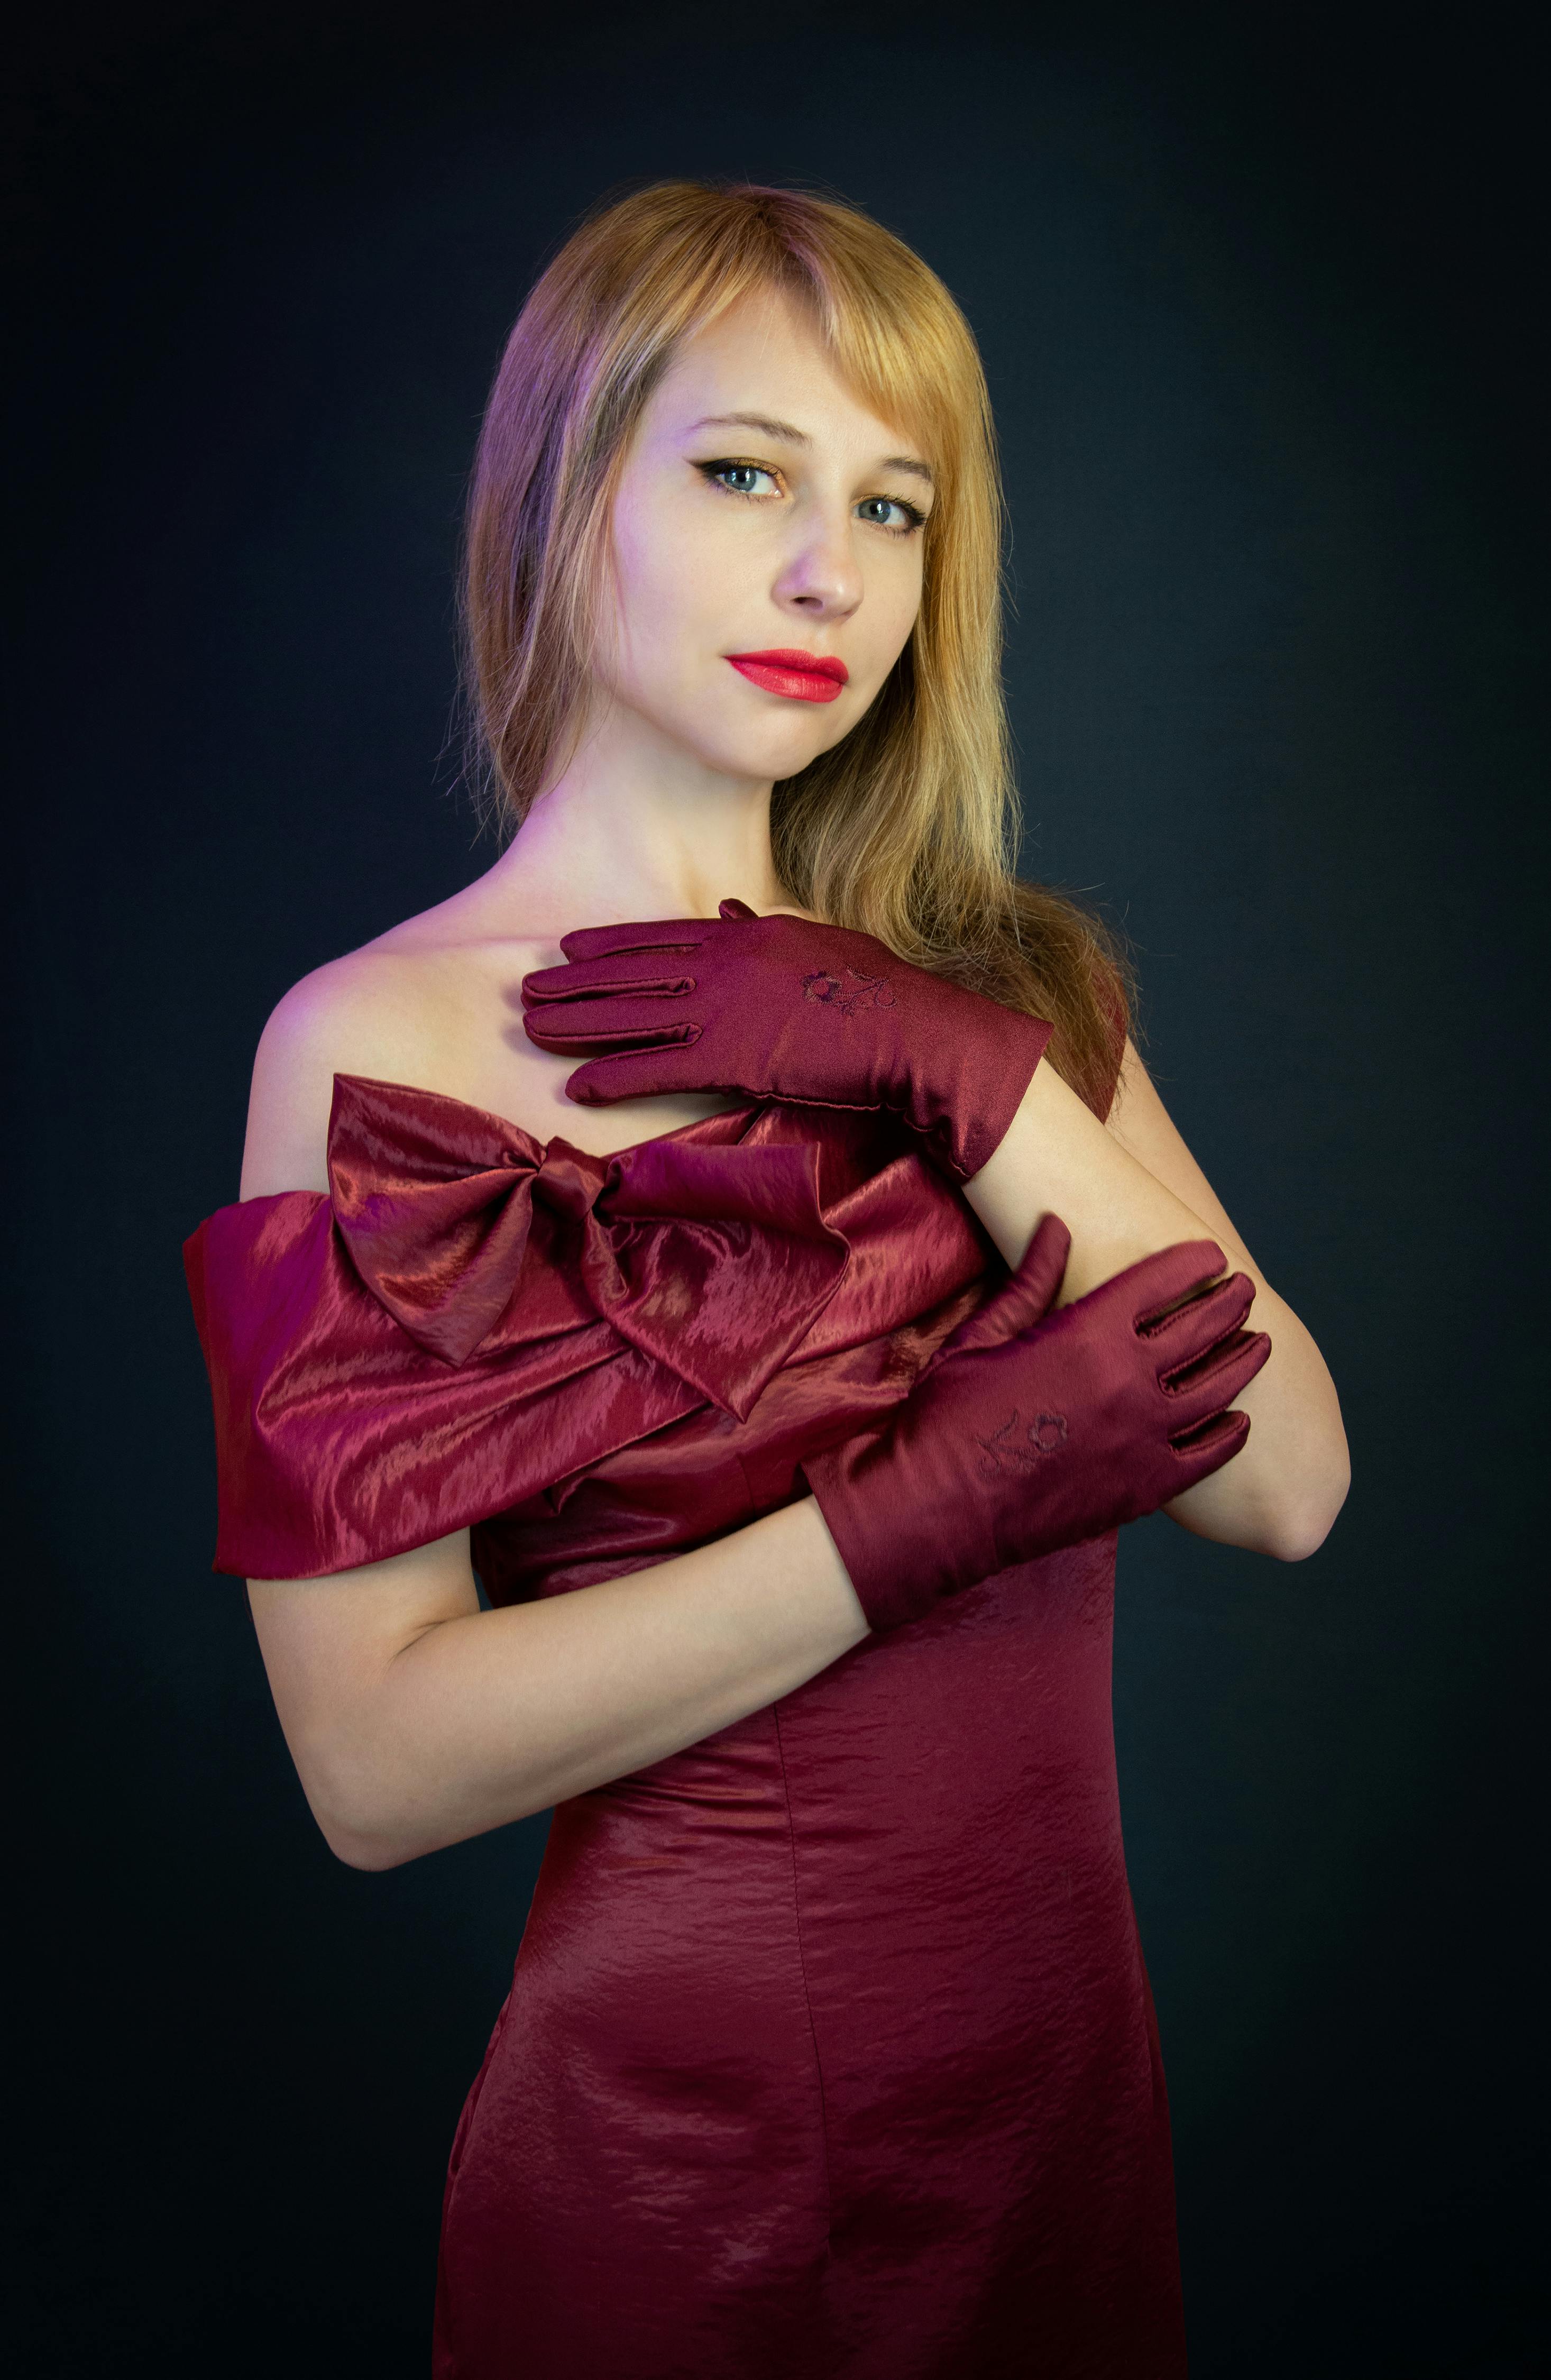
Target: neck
637 828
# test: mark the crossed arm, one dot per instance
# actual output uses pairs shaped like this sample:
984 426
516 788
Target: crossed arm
415 1719
1125 1189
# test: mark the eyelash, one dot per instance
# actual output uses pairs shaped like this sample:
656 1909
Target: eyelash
914 518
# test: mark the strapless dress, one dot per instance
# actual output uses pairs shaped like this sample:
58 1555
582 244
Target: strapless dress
830 2053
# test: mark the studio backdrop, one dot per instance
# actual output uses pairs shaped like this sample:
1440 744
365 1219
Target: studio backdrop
1254 305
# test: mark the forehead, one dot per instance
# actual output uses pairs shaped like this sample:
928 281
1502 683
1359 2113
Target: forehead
764 355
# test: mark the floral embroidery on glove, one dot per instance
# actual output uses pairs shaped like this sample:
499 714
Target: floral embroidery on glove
869 991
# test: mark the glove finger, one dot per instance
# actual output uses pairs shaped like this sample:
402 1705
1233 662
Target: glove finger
646 934
1206 1447
642 1074
600 978
1162 1282
566 1040
733 908
1021 1302
567 1024
1192 1330
1222 1376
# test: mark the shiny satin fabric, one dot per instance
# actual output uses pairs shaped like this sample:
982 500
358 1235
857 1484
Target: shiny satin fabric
784 1008
829 2050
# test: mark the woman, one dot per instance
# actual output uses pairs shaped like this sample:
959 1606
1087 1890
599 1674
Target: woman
783 1368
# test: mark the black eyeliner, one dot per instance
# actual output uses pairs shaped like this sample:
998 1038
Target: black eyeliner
710 473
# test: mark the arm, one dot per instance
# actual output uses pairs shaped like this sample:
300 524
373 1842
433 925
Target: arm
415 1719
1125 1190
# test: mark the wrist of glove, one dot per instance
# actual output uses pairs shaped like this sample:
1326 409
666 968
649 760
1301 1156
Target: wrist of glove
1032 1429
782 1008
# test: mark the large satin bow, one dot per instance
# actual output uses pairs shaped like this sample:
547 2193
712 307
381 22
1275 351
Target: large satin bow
715 1260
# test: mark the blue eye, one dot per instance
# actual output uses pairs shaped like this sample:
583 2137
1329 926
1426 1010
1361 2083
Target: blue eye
894 514
738 479
877 509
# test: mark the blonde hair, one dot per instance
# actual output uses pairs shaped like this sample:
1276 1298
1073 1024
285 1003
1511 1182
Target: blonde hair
907 829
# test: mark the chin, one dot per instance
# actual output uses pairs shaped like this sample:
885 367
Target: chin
780 745
732 737
775 754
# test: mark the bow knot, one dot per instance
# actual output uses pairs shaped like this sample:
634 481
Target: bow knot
712 1258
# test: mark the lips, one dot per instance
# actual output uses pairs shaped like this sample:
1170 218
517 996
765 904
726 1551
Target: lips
802 678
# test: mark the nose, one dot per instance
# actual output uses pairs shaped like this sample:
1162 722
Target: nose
821 578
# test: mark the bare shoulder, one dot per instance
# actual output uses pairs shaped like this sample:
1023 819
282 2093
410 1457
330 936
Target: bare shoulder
374 1011
435 1003
432 1002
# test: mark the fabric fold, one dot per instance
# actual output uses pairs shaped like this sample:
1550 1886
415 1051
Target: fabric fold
715 1261
473 1317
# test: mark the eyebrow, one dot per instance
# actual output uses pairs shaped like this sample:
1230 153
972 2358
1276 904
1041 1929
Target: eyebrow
795 437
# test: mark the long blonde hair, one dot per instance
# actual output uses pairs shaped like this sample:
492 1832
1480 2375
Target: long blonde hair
907 829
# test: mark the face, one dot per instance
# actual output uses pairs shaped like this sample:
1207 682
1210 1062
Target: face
763 510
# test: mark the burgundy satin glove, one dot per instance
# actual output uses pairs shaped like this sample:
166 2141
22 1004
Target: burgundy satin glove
1030 1430
784 1010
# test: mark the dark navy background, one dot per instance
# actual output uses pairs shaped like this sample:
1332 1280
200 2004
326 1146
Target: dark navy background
1255 294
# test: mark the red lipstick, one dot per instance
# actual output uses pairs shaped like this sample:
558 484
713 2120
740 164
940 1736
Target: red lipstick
804 677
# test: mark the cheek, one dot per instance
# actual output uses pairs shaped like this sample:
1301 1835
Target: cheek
667 578
894 600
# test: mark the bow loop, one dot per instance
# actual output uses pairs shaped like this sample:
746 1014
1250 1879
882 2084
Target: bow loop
434 1201
713 1259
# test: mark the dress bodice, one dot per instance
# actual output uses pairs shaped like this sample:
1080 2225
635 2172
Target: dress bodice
838 2015
472 1319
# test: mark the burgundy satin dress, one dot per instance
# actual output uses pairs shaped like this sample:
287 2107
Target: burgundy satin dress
830 2053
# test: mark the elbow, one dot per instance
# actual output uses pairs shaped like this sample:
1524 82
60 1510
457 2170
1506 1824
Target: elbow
1293 1540
354 1812
374 1822
1301 1525
360 1842
371 1854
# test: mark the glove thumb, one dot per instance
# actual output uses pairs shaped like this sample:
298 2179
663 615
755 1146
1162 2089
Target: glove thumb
1022 1301
733 908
